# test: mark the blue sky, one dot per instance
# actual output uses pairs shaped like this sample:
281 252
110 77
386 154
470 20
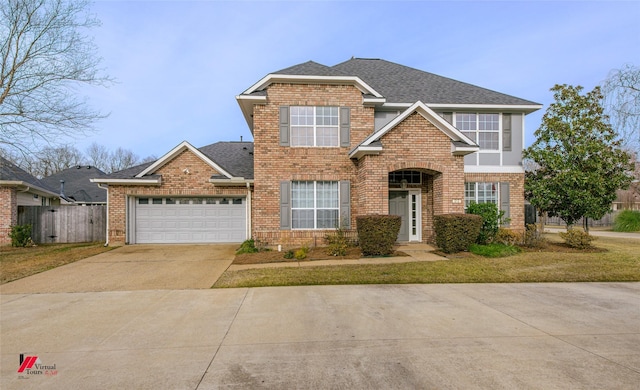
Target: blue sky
180 64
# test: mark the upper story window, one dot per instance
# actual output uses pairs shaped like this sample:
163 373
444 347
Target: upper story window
483 129
314 126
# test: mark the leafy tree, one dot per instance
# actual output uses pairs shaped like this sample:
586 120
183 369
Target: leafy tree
621 102
45 54
580 164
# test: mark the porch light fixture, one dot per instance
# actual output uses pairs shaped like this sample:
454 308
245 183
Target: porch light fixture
403 184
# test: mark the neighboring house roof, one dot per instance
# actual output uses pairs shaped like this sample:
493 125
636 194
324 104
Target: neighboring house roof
13 175
234 160
77 185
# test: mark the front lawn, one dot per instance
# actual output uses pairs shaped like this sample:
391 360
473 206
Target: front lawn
613 260
17 263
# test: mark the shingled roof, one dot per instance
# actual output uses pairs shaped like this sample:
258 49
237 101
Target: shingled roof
77 186
234 157
11 173
403 84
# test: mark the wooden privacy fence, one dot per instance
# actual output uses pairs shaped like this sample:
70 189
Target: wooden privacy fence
64 224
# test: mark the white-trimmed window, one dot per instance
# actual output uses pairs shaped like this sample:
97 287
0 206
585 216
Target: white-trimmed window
314 126
482 128
481 192
315 205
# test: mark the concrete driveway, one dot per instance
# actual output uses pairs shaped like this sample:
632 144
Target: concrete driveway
134 267
488 336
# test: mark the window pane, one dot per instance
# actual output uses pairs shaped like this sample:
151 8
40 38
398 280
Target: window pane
143 201
327 219
327 136
301 136
156 201
488 140
302 116
488 122
302 194
327 194
466 121
302 219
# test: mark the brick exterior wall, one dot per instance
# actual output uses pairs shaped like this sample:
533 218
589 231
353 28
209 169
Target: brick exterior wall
175 182
516 193
8 213
414 144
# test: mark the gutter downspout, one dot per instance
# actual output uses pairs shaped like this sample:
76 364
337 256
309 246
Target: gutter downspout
107 189
249 213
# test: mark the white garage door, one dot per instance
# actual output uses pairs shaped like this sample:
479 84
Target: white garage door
190 220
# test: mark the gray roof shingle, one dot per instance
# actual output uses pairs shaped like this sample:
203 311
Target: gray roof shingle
77 184
311 68
234 157
11 172
403 84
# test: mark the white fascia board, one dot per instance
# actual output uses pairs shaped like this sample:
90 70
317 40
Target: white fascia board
362 150
236 181
246 103
304 79
527 108
28 187
375 101
493 169
463 150
144 182
184 145
427 113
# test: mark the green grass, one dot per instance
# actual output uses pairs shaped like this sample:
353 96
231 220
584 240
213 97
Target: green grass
17 263
617 260
627 221
494 250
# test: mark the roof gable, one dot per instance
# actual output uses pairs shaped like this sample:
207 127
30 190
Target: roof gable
184 145
460 144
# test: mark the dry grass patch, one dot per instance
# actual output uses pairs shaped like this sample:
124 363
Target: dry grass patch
17 263
614 260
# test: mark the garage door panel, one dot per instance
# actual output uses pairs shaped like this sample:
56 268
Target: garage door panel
198 222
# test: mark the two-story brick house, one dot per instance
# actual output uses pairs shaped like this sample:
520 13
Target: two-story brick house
330 143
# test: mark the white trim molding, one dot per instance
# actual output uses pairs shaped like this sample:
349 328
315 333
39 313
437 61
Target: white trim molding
493 169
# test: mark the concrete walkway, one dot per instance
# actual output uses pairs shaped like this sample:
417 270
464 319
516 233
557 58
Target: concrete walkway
415 252
489 336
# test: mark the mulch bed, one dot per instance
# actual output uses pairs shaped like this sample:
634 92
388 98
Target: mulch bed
317 253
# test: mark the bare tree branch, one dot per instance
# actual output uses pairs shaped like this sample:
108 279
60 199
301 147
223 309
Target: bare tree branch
621 101
45 54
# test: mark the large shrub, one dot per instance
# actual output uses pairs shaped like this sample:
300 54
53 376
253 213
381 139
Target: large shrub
577 239
627 221
378 233
491 218
20 235
456 232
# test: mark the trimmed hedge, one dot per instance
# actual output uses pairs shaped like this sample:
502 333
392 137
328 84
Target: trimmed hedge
456 232
378 233
491 218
